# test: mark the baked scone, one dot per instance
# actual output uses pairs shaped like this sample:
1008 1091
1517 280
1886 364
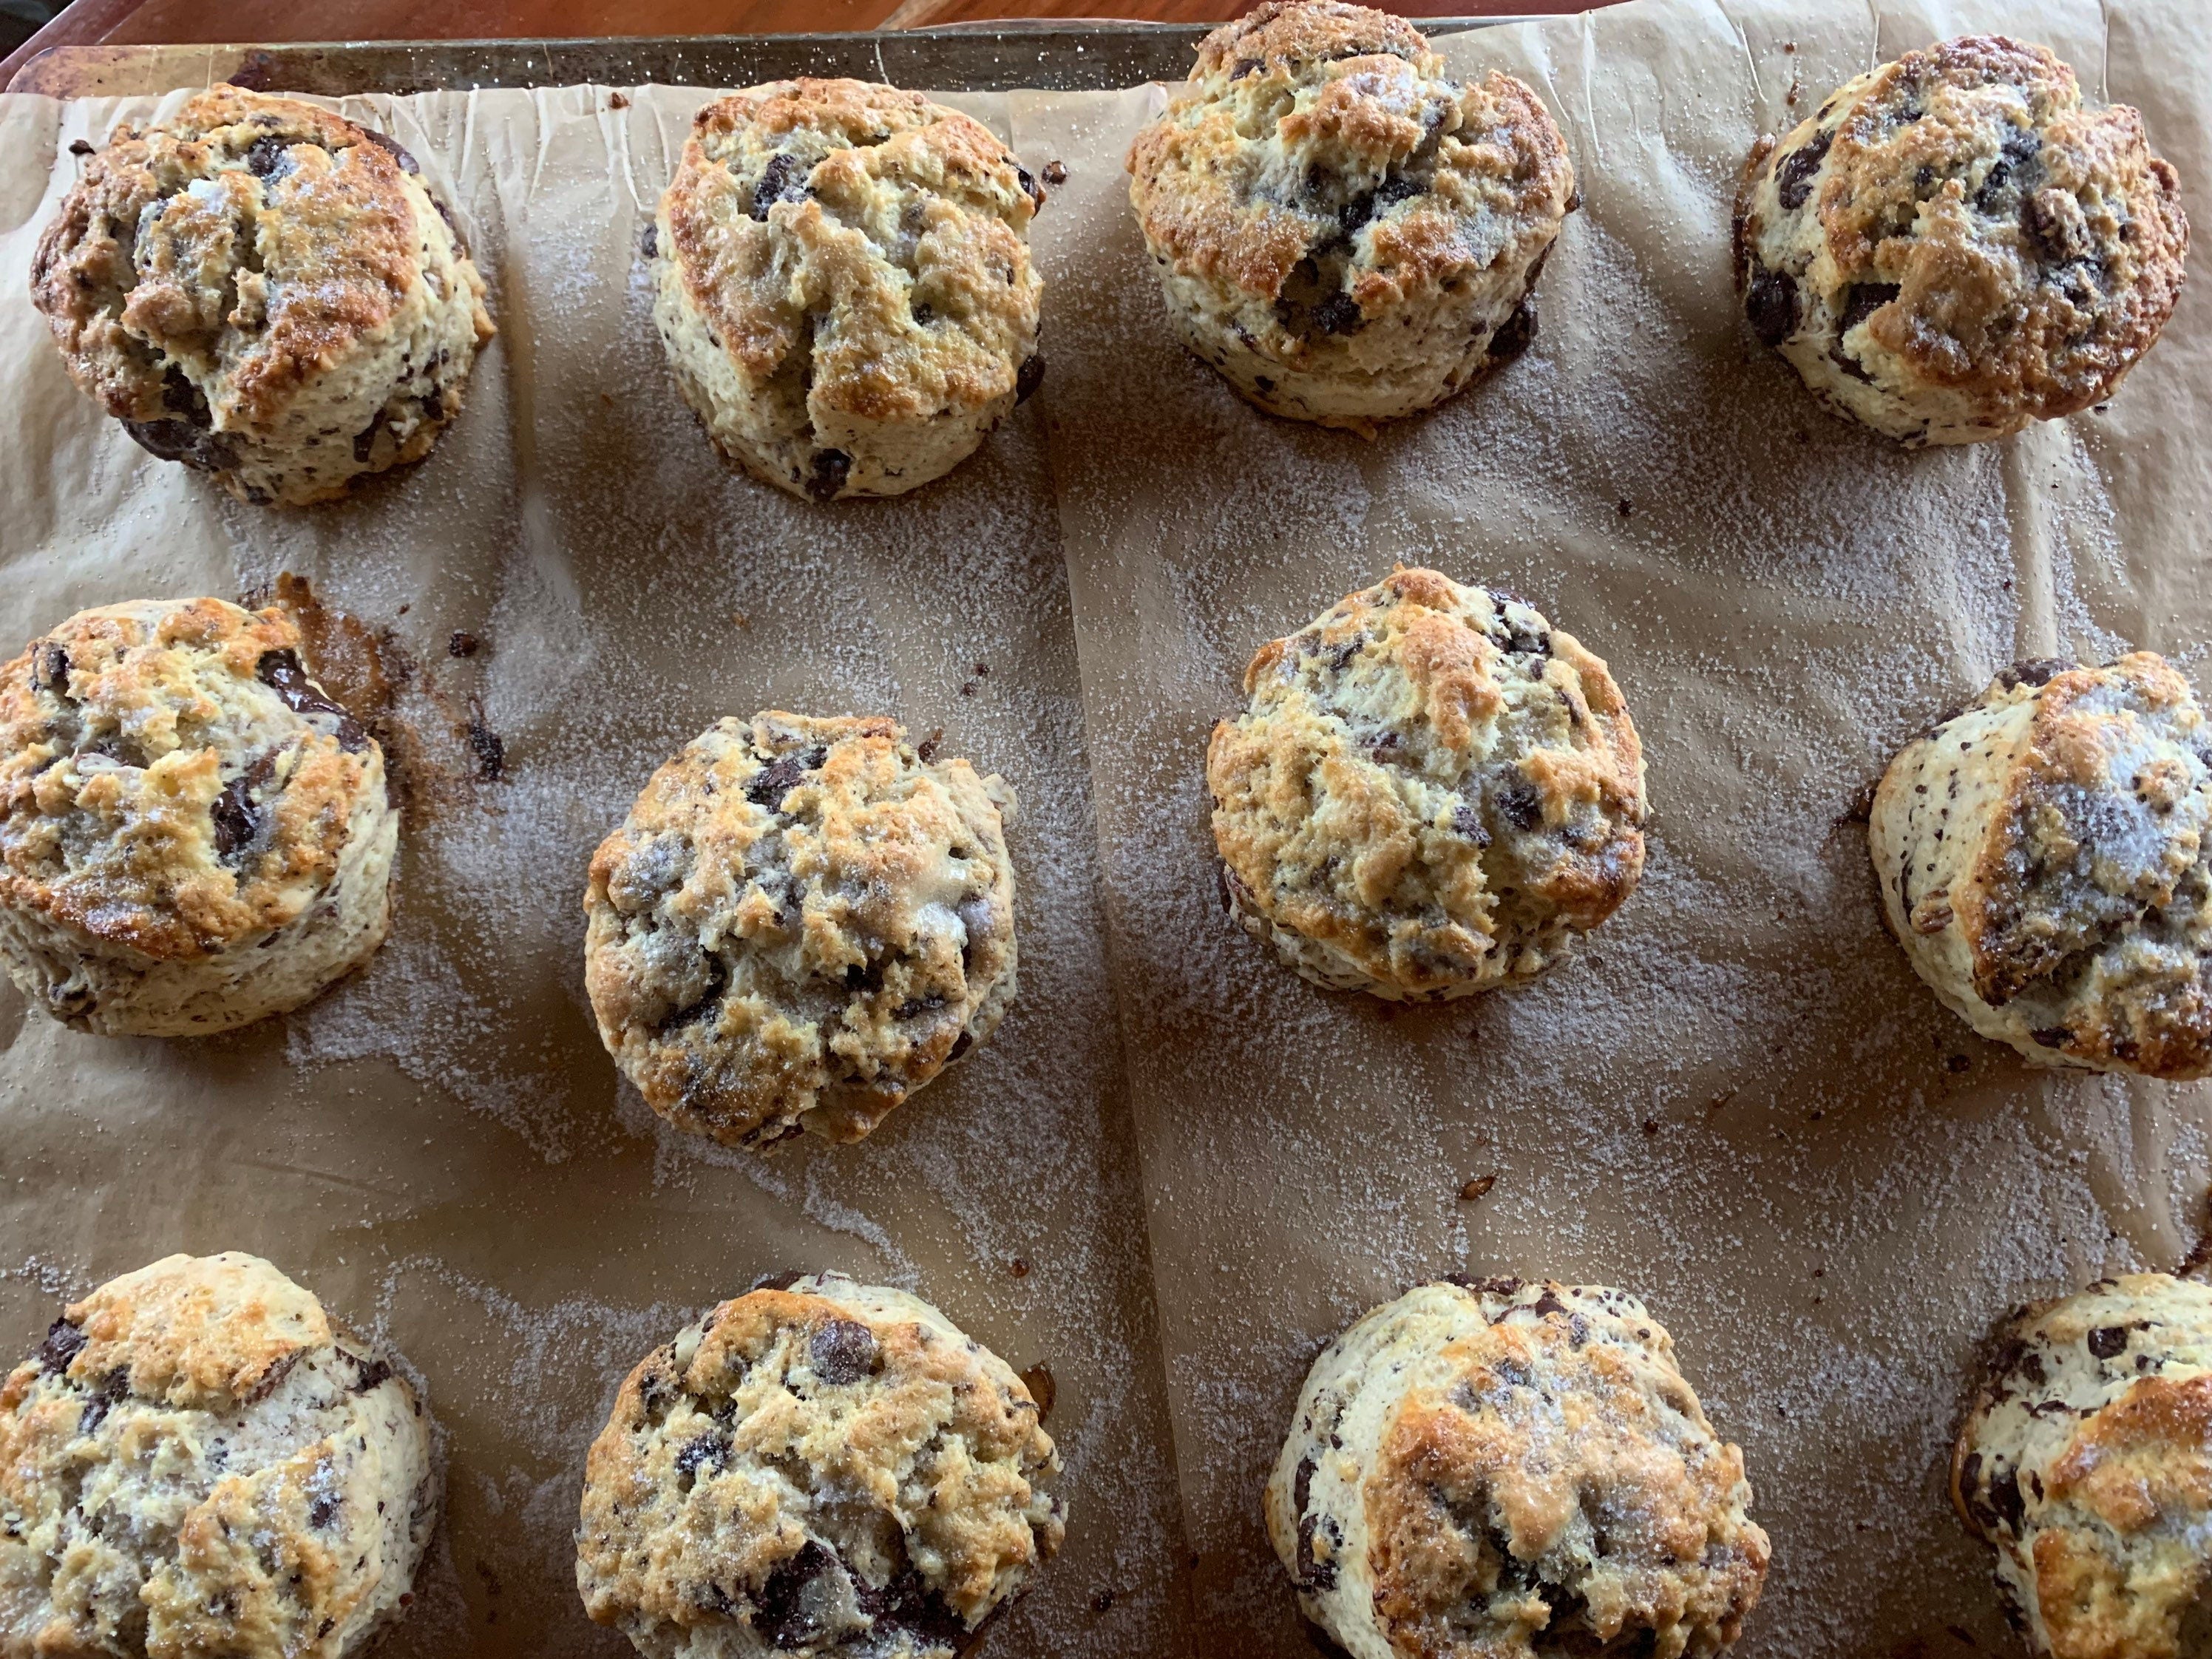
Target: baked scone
1501 1468
1345 232
1431 792
2086 1464
801 922
819 1467
265 291
198 1460
2043 858
1954 246
843 280
192 835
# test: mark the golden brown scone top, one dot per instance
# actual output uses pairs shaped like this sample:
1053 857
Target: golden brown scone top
272 293
824 1465
801 210
1995 236
2086 1463
1316 132
1432 782
171 778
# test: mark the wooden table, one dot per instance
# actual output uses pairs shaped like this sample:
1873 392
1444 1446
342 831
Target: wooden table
129 22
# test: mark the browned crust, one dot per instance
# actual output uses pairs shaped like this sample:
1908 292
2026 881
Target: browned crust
164 896
1284 33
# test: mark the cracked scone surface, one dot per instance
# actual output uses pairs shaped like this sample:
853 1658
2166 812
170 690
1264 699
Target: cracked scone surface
1506 1469
843 280
1345 232
2042 858
1431 792
2086 1464
1954 246
818 1468
197 1461
192 835
265 292
801 922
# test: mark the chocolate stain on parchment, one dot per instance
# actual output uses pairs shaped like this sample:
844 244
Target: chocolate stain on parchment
435 739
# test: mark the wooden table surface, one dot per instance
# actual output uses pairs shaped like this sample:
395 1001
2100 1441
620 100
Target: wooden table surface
140 22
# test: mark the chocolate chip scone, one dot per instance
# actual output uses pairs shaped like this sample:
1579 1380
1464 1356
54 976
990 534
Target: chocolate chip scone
1954 246
2086 1464
819 1467
1345 232
1496 1469
198 1460
264 291
1431 792
801 922
2042 857
192 835
843 280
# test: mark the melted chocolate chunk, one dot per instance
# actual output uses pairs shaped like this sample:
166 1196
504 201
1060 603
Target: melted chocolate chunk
1793 174
2035 670
183 441
2006 1501
2108 1339
775 781
843 1351
1770 303
281 671
392 147
269 157
907 1604
65 1342
50 667
831 468
238 821
778 1612
1517 333
1028 377
784 179
1030 188
961 1045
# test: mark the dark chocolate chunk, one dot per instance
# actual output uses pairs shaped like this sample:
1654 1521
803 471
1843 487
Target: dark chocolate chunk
385 142
268 156
2006 1501
843 1351
1793 174
775 781
831 467
2009 173
778 1612
281 671
782 1281
2051 1036
648 241
1862 301
1770 303
1056 172
694 1455
65 1342
2035 670
784 179
1340 313
1521 803
322 1509
50 667
462 644
1309 1573
1247 66
237 819
1038 1380
961 1045
2108 1339
1028 377
433 405
864 977
80 147
1030 188
364 442
1515 335
186 442
370 1374
905 1604
1466 821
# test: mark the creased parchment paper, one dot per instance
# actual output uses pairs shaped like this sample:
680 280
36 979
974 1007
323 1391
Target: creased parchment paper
1737 1102
440 1148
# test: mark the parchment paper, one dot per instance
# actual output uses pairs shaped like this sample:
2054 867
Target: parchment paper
1738 1102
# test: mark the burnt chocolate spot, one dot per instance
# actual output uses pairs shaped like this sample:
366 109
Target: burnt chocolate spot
2108 1339
831 468
1793 174
392 147
1770 303
50 668
1517 333
269 157
1028 377
281 671
1521 803
2035 670
65 1342
843 1351
784 179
